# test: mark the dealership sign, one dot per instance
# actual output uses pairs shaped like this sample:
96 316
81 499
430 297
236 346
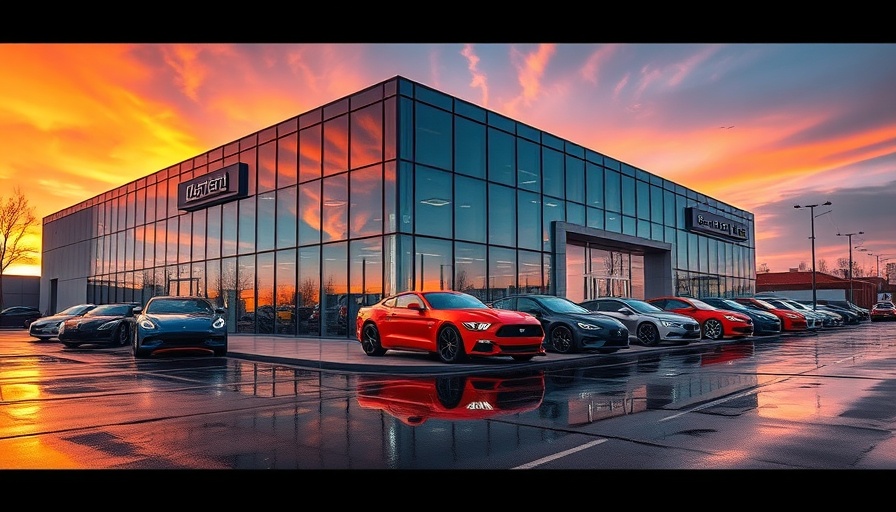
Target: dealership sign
712 224
221 186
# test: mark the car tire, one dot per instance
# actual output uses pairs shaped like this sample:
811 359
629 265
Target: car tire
450 390
562 340
122 336
450 346
370 341
138 354
713 329
648 334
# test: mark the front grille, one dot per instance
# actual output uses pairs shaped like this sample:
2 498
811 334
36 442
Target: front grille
520 331
521 349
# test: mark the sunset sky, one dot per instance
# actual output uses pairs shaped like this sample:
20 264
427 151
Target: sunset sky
762 127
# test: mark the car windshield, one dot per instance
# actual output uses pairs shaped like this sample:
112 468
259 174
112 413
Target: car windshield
765 304
75 310
109 310
699 304
177 306
442 300
798 305
561 305
640 306
732 304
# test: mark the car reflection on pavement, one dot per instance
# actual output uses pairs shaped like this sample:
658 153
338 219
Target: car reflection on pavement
452 397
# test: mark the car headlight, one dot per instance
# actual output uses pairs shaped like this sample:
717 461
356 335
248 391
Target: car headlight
588 327
668 323
146 324
108 325
733 318
61 327
218 323
477 326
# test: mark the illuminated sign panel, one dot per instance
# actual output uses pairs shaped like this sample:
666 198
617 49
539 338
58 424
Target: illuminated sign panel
712 224
221 186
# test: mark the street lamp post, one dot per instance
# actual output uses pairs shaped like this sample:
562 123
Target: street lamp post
878 255
811 208
849 237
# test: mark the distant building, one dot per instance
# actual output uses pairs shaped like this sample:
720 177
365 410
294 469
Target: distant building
798 285
21 291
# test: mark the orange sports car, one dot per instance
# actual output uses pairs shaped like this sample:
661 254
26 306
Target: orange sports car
715 323
452 397
450 324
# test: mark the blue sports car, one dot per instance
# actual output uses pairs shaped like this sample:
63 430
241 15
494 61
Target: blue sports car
187 325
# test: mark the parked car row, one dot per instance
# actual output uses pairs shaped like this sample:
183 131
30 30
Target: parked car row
455 326
165 325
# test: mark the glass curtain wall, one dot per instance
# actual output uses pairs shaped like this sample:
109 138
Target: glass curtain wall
398 187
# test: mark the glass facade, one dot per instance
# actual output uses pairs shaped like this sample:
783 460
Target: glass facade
396 187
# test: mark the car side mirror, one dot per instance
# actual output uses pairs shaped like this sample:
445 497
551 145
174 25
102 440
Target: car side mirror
625 311
415 306
220 311
534 312
137 310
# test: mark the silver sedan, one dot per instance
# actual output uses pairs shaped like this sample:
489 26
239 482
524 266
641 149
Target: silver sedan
647 324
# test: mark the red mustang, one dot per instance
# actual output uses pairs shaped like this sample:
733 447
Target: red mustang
716 323
454 397
450 324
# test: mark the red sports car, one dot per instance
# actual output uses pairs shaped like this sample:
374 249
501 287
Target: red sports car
450 324
451 397
884 310
791 321
716 323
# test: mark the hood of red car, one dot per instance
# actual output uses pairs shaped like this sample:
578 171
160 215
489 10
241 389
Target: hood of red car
506 316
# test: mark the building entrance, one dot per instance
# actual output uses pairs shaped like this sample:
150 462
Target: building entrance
593 271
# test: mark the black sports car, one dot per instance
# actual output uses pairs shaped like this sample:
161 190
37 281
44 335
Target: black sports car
188 325
569 327
19 316
107 324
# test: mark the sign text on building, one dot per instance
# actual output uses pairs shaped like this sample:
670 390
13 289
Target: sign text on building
712 224
221 186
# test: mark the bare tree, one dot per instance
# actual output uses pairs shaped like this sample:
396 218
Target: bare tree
762 269
823 266
308 292
16 218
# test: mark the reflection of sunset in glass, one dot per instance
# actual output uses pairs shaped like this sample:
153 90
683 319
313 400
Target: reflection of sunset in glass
758 126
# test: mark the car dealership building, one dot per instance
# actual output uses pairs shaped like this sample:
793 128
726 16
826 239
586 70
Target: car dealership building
393 188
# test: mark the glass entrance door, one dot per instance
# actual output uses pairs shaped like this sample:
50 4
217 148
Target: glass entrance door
595 272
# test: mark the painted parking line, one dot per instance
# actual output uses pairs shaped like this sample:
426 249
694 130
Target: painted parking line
556 456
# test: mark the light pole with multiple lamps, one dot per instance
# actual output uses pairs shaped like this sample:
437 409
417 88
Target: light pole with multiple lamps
849 237
811 208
